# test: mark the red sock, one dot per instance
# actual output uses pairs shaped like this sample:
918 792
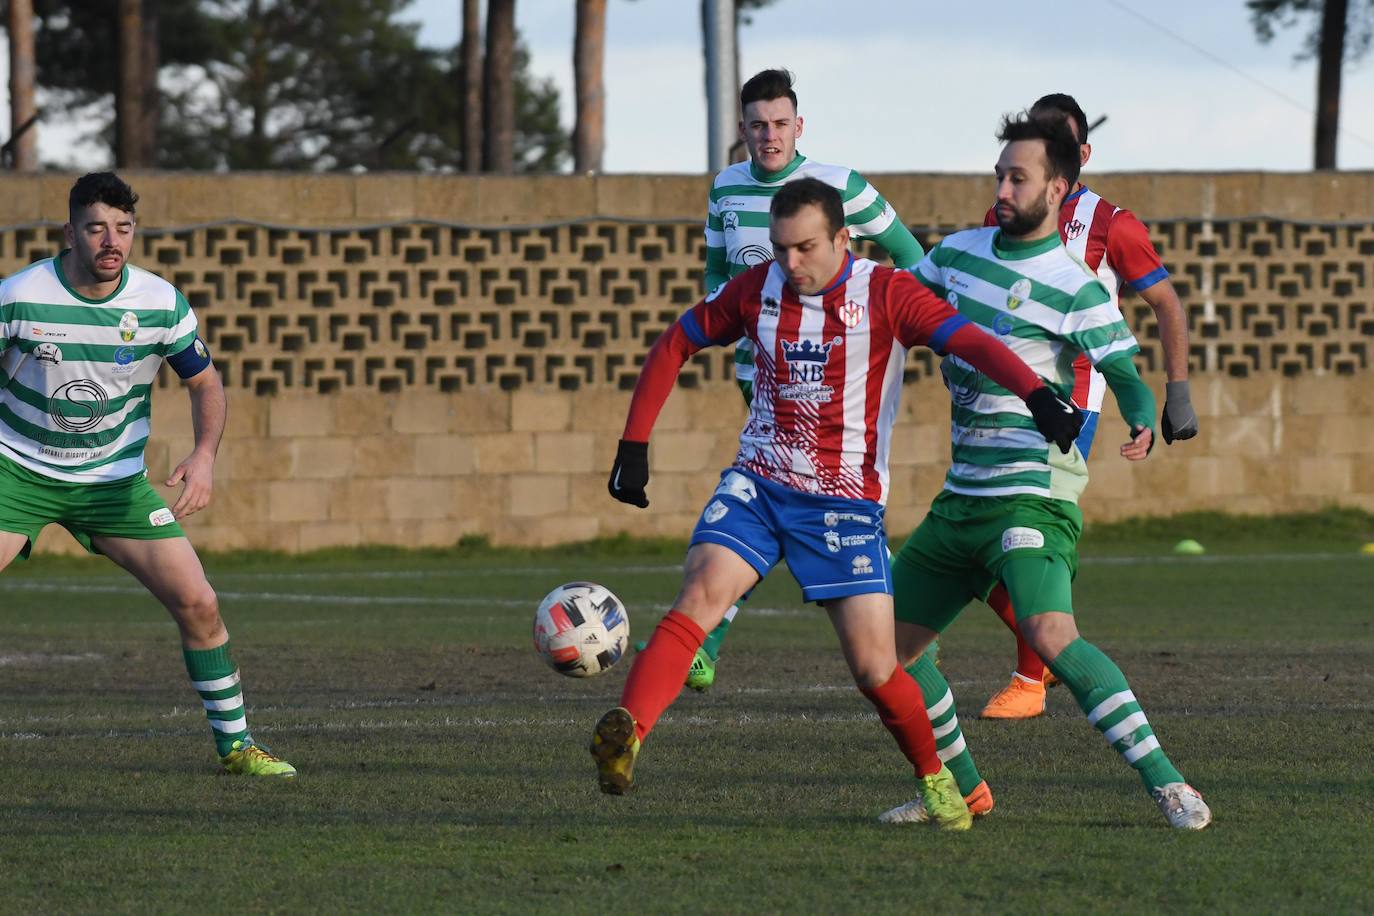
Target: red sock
903 711
1028 664
657 675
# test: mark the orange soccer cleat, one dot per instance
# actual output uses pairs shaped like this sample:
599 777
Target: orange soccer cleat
1021 699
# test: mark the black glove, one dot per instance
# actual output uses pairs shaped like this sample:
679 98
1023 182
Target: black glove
1057 419
1179 421
630 473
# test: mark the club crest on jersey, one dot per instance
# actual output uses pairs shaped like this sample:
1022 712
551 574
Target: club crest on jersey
48 353
729 220
851 313
771 307
128 326
1073 229
1020 292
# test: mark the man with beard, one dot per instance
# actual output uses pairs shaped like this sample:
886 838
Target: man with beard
1116 246
82 336
1008 512
737 233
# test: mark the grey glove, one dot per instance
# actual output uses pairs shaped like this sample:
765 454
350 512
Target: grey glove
1179 421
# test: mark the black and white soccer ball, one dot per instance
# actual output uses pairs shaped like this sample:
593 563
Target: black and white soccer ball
581 629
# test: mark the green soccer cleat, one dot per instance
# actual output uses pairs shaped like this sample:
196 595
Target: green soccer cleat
615 747
249 759
702 674
944 805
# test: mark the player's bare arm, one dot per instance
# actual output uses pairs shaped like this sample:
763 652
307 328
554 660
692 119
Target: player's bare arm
196 472
1179 420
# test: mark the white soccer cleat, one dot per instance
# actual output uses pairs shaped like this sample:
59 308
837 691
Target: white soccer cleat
913 812
1182 806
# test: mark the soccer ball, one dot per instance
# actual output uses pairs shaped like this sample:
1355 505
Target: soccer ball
581 629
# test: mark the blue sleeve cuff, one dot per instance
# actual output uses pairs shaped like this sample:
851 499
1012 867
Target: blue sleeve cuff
191 361
692 328
944 332
1149 280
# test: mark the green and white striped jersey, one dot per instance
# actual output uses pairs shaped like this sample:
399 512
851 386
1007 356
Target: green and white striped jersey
76 373
1047 306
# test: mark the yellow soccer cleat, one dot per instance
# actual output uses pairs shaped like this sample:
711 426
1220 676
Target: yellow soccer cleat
615 747
1021 699
979 803
249 759
944 806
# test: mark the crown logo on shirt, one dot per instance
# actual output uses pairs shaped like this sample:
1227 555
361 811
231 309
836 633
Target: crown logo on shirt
807 352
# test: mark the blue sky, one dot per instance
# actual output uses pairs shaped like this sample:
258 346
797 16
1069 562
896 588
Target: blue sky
905 85
911 85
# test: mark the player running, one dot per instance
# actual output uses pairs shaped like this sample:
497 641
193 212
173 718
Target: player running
82 336
1116 246
810 480
737 234
1008 512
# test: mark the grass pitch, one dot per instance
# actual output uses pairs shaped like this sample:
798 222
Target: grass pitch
443 768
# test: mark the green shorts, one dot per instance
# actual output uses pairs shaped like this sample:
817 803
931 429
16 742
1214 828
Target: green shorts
128 508
967 544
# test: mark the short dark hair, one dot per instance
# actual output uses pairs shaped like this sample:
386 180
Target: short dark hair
1061 149
767 85
794 195
1064 105
101 188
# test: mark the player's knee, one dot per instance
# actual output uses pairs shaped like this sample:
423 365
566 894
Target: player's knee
1049 633
704 602
198 612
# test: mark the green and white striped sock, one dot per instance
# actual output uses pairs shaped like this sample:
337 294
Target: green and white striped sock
949 739
217 681
1103 694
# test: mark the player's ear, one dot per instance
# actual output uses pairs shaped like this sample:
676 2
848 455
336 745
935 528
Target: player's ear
1085 151
799 125
842 238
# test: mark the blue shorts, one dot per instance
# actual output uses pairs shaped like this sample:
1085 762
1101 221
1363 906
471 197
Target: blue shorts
1087 432
834 546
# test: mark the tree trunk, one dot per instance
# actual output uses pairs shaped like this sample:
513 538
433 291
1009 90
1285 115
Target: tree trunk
152 97
471 85
1330 57
24 143
589 47
259 156
129 87
498 85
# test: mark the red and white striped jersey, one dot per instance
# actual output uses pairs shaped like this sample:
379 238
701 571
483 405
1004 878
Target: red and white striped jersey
1115 245
829 370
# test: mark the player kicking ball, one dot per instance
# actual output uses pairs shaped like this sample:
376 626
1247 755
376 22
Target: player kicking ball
830 335
1008 512
82 336
737 235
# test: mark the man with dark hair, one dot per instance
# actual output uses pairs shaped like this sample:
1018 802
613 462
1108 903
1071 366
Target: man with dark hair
830 333
1008 512
737 231
1116 246
82 336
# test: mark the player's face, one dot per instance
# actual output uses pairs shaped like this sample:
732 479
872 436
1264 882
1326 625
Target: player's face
101 238
808 251
770 130
1027 200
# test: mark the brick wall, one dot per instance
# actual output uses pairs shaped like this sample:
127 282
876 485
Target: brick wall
414 358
